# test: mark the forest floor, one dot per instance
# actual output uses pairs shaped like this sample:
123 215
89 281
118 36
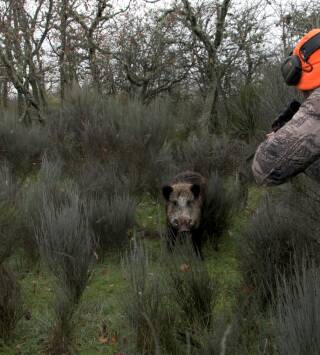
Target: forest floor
99 318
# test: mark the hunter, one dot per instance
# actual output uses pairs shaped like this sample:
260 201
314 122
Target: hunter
293 146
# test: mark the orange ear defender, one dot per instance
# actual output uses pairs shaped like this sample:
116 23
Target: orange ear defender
302 67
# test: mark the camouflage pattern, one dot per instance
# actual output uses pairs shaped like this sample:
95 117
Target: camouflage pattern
184 199
293 149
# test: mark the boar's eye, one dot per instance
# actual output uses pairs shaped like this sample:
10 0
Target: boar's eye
189 203
166 191
175 203
195 189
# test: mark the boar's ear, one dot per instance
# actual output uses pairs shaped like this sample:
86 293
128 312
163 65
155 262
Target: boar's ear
166 191
195 189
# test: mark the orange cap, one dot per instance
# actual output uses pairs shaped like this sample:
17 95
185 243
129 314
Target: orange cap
310 77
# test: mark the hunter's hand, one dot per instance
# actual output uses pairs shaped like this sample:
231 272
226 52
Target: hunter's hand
270 135
286 115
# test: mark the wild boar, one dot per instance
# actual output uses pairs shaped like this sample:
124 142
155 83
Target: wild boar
185 196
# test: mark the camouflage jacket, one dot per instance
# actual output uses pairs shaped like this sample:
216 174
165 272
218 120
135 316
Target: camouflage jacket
293 149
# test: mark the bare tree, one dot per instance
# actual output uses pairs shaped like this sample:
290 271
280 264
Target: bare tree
211 41
20 52
154 54
92 26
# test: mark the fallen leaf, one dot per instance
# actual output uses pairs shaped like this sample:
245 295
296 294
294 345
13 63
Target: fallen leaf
18 348
96 255
103 340
184 267
104 271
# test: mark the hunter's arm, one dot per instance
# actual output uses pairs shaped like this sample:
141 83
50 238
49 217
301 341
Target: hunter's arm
293 148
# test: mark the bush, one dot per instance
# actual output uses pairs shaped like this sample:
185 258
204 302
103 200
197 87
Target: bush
245 114
171 310
96 179
111 204
93 127
111 219
274 234
49 182
298 312
20 145
219 206
80 118
192 289
66 247
206 154
146 307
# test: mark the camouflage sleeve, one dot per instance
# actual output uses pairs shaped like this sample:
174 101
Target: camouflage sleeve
293 148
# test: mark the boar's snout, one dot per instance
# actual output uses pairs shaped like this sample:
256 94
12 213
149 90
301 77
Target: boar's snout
183 224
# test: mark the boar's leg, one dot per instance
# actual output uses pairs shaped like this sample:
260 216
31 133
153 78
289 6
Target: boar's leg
197 242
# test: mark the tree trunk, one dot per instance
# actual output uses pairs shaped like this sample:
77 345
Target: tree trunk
62 55
20 104
94 70
4 94
209 117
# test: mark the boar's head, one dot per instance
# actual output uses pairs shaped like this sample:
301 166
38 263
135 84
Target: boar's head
183 206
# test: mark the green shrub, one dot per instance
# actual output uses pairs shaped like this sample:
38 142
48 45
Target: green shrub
192 289
220 204
66 247
275 233
112 219
112 205
146 306
170 304
244 109
132 135
206 154
49 182
20 145
297 312
96 179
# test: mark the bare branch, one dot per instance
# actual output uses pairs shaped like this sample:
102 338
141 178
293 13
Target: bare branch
46 28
